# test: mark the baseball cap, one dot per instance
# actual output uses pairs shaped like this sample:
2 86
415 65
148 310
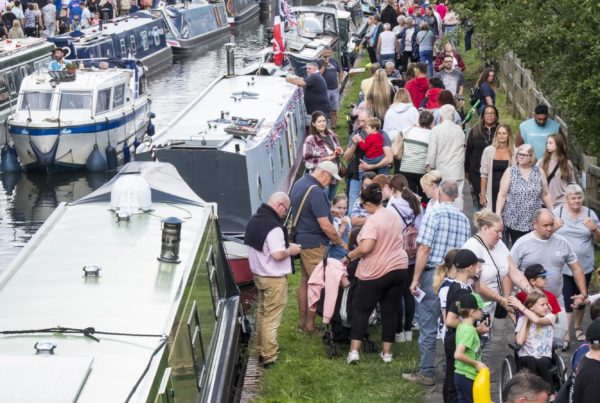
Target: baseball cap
331 168
592 334
534 271
465 258
471 301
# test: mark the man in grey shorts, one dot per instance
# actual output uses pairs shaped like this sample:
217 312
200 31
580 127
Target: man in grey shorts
332 72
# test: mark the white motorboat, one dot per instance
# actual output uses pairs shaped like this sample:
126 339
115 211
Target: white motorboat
63 117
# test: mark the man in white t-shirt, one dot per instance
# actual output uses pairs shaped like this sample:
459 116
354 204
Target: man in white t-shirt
49 18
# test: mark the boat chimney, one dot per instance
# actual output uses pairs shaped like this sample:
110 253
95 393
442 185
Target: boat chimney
230 49
171 237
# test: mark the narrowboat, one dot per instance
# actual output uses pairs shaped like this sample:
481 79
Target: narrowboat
316 28
240 11
190 24
236 143
18 59
64 117
140 306
139 35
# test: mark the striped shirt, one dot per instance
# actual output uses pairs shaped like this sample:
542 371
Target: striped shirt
443 229
416 143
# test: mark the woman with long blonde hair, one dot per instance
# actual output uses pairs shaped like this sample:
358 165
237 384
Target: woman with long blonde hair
557 167
495 159
380 96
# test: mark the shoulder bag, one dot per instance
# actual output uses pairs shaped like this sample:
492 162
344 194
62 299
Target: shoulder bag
552 174
500 312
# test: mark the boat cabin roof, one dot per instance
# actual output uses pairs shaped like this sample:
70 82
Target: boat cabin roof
45 287
115 26
217 118
14 46
87 79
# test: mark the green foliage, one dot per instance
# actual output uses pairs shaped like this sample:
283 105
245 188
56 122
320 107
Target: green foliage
558 41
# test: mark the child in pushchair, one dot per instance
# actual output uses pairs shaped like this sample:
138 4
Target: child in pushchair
331 289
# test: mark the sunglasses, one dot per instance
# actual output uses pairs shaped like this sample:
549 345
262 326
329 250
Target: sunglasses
523 155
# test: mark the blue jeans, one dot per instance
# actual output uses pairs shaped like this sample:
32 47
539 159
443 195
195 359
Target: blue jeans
330 191
427 313
382 170
353 193
426 56
384 58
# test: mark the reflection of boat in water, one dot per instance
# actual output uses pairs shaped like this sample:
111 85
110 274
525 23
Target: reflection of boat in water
162 290
62 118
240 11
190 24
139 35
236 143
18 59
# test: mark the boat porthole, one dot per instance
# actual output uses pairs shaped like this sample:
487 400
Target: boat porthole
281 159
259 187
272 167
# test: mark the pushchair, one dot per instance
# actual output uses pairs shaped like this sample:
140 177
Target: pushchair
338 325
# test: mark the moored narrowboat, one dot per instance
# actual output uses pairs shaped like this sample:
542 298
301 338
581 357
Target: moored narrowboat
123 295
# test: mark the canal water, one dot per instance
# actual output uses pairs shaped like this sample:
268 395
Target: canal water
28 199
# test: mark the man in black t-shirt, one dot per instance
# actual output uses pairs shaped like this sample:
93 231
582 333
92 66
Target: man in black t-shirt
315 91
331 71
587 387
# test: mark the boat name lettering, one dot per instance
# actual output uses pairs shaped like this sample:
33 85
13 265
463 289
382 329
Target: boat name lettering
65 131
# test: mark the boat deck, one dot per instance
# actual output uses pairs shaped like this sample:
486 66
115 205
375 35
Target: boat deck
203 123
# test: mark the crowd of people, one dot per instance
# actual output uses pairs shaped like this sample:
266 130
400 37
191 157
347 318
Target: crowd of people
47 18
530 260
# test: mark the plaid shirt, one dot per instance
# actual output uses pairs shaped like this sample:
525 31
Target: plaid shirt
315 148
443 229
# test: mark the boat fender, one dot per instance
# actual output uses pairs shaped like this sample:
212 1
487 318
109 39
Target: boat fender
111 157
136 143
126 153
96 161
9 161
150 129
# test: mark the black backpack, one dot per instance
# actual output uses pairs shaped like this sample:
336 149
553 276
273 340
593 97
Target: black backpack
475 95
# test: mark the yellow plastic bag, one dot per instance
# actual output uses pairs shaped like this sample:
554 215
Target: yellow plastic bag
481 387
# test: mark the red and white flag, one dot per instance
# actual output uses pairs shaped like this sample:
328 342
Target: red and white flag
278 46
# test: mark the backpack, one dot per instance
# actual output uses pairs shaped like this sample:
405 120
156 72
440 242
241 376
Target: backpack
409 236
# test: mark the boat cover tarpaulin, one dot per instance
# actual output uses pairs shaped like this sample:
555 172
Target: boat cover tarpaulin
166 184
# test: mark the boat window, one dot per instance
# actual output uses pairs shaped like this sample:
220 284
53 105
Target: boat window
272 167
119 96
196 341
123 48
133 46
259 187
36 101
156 35
144 36
103 101
281 158
75 100
329 23
11 82
211 268
310 22
24 71
4 90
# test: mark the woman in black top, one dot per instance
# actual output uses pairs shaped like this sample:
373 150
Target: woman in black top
480 136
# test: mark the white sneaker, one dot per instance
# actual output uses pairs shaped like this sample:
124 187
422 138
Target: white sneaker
400 337
353 357
407 335
386 357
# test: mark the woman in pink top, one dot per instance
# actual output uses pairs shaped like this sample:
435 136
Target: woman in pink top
381 272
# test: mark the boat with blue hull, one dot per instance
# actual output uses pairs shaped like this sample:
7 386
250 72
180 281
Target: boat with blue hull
190 24
240 11
140 306
18 59
63 117
140 35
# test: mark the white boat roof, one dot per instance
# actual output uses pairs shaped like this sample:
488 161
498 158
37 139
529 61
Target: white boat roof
115 26
85 79
273 95
14 46
44 287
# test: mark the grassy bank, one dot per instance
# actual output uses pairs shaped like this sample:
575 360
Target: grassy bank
303 371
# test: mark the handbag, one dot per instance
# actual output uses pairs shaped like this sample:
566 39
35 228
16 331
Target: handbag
398 146
500 312
342 170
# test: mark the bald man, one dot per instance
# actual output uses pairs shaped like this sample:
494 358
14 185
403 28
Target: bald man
269 255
